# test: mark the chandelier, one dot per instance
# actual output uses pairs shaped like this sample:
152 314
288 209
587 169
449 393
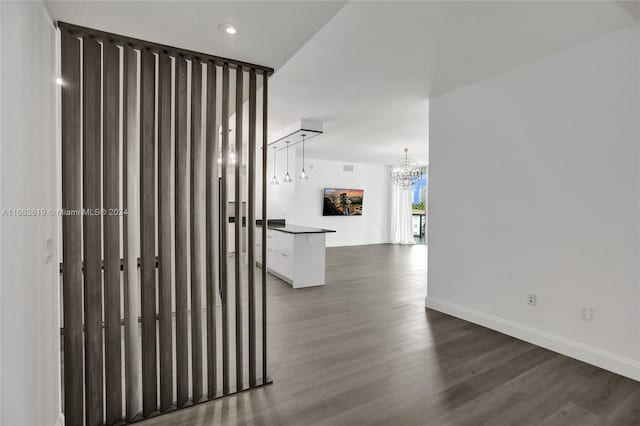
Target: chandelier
406 173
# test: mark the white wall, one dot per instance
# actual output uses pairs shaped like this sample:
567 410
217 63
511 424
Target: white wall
30 364
300 202
534 188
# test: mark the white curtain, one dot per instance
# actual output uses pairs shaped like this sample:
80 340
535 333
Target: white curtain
401 216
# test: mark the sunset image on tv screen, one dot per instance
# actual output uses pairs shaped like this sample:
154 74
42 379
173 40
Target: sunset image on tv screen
342 202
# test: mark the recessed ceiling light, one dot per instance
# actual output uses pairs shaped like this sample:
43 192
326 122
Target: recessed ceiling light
229 29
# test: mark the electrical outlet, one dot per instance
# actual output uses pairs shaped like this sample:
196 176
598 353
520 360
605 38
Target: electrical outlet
532 299
587 313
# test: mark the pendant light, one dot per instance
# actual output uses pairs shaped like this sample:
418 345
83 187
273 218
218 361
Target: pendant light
274 181
303 173
287 177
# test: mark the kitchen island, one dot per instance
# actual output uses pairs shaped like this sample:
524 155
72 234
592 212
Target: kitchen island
296 254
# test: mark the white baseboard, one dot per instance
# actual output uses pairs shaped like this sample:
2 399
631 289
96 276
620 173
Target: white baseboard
620 365
60 421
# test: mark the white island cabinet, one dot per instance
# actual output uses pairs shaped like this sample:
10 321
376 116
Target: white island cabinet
296 254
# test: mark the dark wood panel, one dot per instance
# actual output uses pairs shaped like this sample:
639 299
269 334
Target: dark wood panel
196 230
147 231
164 232
238 231
265 97
211 209
71 229
91 100
111 204
224 219
181 237
251 227
131 341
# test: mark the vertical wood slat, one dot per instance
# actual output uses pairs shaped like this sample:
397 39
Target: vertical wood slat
224 219
71 230
182 350
238 230
111 204
251 227
91 191
147 231
196 228
265 94
164 232
131 342
211 228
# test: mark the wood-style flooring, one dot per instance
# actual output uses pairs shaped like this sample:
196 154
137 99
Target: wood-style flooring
363 350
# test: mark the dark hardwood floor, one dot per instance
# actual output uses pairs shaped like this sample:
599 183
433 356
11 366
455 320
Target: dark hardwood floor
363 350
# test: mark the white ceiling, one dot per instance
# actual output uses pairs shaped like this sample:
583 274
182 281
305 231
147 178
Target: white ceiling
369 72
365 69
270 32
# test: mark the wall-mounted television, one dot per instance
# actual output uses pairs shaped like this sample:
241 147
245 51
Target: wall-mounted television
342 202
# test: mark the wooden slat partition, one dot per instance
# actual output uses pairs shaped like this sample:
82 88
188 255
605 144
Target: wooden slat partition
251 220
211 225
72 230
196 230
238 213
224 219
147 231
181 159
91 202
125 132
111 203
164 232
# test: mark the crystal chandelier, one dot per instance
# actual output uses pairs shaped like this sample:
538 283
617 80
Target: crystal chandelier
406 173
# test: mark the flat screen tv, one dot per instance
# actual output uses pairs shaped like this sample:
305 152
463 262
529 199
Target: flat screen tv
342 202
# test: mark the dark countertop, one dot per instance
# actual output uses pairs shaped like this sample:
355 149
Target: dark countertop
297 229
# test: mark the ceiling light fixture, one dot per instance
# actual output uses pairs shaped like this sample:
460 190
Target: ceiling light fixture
287 177
274 181
303 173
406 173
59 81
229 29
